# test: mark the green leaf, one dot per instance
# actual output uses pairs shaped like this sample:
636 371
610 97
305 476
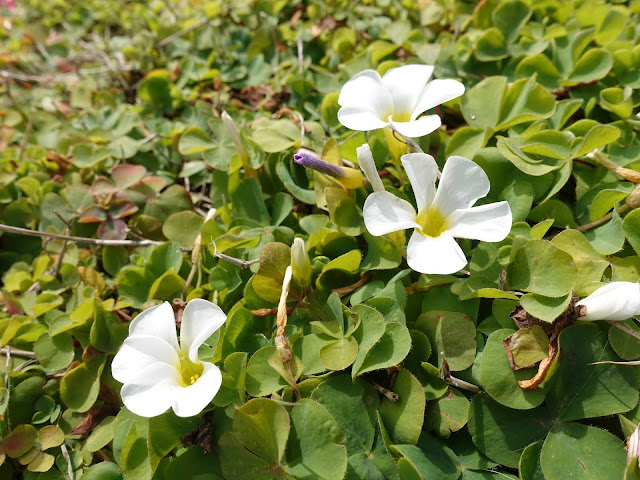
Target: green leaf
573 450
481 104
372 327
491 46
183 228
79 387
275 257
392 347
194 140
631 227
448 414
167 286
403 419
54 353
540 267
545 308
103 471
276 136
339 354
21 439
580 390
316 445
500 381
626 346
589 262
353 405
593 65
262 379
248 202
302 194
502 433
238 463
263 428
432 460
525 101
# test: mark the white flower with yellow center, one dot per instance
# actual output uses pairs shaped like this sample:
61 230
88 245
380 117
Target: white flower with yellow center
369 102
613 301
443 215
157 372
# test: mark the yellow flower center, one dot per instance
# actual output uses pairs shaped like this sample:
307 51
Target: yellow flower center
189 372
397 116
433 223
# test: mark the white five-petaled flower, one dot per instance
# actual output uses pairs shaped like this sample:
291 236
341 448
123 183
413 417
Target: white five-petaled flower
442 214
157 372
613 301
369 102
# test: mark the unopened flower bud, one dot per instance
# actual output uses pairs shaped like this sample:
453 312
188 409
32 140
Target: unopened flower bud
613 301
349 177
300 263
368 166
633 446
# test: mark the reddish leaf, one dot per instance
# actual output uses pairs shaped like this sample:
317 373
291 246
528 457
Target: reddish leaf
103 186
155 183
122 208
93 214
126 175
112 229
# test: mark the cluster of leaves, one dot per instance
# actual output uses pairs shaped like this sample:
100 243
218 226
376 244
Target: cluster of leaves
111 129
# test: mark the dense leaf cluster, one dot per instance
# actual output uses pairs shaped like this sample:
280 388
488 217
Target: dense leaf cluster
112 129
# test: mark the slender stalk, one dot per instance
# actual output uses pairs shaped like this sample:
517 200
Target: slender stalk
600 221
624 328
89 241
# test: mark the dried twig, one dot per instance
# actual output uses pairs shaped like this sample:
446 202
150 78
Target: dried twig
166 41
90 241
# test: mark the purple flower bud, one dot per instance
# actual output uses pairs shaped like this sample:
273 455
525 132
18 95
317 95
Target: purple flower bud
314 163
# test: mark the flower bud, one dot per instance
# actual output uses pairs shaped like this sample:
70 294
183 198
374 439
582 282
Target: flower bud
368 166
300 263
348 177
613 301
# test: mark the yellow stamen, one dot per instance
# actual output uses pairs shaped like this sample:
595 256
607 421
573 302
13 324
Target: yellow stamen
189 372
433 223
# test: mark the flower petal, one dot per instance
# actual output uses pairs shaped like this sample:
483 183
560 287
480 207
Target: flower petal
191 400
462 183
152 392
368 166
199 320
441 255
422 171
490 223
139 352
435 93
384 213
367 91
405 84
360 118
613 301
158 321
417 128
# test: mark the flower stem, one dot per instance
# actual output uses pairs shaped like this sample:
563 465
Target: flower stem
604 161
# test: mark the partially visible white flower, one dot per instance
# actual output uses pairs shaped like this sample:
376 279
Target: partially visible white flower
442 214
157 372
370 102
613 301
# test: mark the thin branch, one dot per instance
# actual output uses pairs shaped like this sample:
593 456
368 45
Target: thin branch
8 351
624 328
166 41
65 454
600 221
89 241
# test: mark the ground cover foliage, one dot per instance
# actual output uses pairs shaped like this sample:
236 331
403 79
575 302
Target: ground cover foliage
112 129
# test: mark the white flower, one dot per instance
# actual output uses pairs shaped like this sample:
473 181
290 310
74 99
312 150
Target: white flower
370 102
159 373
613 301
442 215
